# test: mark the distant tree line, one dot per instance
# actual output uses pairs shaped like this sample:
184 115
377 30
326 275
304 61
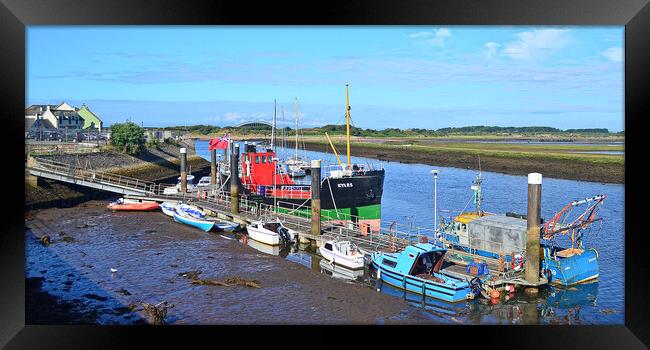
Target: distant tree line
395 132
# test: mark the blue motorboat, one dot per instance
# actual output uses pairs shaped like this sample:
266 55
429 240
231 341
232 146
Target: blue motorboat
189 219
418 269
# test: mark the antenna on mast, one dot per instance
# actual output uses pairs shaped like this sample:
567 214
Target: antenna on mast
347 122
273 128
476 187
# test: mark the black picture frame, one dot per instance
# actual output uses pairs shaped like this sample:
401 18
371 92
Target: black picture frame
15 15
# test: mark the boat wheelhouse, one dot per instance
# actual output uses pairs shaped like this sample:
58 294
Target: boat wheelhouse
419 269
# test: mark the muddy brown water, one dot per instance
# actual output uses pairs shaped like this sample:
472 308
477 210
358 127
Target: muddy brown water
70 281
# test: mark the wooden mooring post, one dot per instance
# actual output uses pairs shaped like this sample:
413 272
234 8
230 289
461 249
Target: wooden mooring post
183 169
234 177
315 197
213 167
533 222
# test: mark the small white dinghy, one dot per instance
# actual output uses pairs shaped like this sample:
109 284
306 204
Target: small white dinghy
168 208
344 253
271 232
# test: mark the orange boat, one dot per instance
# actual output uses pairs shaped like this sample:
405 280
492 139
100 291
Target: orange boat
132 205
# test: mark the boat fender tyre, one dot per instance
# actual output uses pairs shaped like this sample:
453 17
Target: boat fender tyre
548 274
476 284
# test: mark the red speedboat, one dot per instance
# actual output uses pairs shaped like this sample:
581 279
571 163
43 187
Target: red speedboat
133 205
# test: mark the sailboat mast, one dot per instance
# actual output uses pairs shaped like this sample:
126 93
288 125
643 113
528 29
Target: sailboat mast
295 108
273 129
347 121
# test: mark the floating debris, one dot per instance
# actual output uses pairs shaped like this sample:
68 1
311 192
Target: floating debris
45 240
113 270
608 311
173 265
156 313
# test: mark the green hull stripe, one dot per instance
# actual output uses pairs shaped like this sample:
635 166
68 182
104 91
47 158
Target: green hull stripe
368 212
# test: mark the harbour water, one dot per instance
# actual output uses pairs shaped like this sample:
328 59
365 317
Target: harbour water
408 199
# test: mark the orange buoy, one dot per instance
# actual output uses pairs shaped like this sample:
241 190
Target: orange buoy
494 294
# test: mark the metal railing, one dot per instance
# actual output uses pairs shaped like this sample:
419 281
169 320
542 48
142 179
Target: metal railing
90 175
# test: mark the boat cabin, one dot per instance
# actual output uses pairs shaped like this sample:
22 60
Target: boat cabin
488 234
344 247
422 258
260 168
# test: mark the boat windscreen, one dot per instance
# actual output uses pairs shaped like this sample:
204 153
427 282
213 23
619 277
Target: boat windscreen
427 263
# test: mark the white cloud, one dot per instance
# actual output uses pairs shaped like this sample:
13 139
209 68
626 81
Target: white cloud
614 54
432 38
421 34
491 49
535 44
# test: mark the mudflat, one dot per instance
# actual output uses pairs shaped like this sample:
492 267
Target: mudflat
101 266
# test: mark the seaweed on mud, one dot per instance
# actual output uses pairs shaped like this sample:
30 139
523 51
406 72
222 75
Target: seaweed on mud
45 240
232 281
68 239
156 313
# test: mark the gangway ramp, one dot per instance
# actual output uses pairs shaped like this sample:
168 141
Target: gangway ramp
83 176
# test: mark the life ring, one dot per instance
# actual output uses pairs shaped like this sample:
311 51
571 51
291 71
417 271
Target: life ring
517 262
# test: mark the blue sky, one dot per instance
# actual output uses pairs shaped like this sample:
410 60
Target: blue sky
400 76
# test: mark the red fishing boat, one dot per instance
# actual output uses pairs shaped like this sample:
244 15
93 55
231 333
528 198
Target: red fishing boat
133 205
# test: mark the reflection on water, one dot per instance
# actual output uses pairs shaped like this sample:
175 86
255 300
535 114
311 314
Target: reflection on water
338 271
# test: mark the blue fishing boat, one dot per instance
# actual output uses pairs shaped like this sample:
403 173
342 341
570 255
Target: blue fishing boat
568 266
418 269
189 219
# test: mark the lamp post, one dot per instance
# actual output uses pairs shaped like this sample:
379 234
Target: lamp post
435 200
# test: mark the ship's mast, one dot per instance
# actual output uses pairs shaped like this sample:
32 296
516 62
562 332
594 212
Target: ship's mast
295 108
347 122
273 129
